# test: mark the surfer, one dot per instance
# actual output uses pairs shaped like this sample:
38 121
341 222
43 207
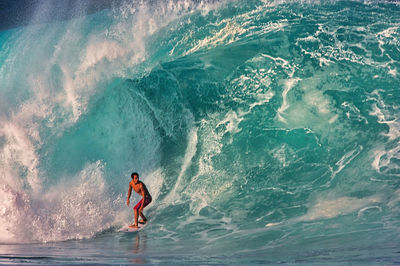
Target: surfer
141 189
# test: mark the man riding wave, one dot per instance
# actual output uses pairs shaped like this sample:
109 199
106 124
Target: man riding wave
140 188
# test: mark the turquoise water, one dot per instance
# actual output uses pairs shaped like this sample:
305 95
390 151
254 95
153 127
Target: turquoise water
266 132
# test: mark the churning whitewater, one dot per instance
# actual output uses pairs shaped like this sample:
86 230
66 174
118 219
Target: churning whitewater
255 125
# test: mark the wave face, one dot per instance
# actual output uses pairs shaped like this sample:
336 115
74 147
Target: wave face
254 124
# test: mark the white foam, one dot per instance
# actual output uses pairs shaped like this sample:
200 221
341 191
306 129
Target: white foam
231 121
280 61
228 34
325 208
383 160
78 208
101 50
395 200
208 183
315 111
384 117
231 30
333 119
284 155
386 156
190 152
18 155
317 99
389 35
353 111
339 50
377 157
361 212
309 38
393 71
263 98
289 84
272 224
254 84
345 160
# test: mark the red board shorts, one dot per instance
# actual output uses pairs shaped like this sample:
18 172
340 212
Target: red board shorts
146 202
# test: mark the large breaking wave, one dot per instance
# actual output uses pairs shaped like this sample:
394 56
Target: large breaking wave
264 122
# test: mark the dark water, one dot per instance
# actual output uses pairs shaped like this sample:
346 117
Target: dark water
266 132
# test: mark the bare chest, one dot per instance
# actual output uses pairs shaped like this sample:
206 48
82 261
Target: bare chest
137 188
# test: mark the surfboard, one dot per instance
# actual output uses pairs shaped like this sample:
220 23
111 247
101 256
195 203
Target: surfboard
127 229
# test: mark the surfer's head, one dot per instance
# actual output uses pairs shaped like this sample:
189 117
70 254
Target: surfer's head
135 177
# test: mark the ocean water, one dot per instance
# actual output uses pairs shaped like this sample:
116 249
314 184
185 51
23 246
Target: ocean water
266 132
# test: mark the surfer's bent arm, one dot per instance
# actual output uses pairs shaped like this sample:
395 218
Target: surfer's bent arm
129 194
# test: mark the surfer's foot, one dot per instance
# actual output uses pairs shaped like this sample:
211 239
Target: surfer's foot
133 226
143 221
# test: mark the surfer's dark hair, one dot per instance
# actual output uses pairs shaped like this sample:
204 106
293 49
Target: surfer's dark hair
133 174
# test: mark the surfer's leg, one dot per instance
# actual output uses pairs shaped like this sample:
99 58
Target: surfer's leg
136 217
135 223
136 212
146 202
144 219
